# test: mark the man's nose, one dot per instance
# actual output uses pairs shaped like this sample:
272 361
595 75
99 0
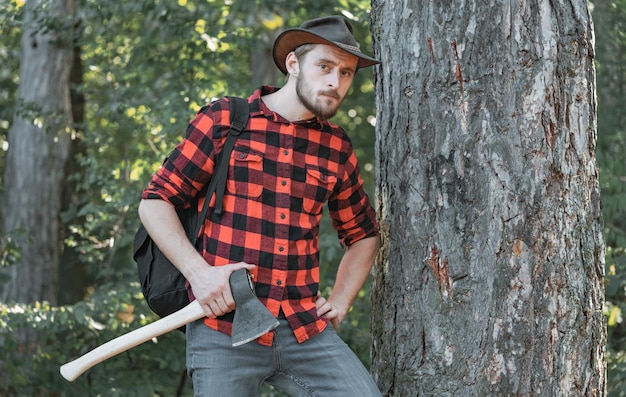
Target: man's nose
333 79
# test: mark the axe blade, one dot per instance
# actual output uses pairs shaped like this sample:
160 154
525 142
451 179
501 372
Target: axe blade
251 318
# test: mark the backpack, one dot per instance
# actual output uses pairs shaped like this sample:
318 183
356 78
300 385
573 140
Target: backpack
163 285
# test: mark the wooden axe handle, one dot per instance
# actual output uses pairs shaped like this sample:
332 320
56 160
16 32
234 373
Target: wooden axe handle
189 313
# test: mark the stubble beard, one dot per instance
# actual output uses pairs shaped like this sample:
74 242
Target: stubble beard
306 98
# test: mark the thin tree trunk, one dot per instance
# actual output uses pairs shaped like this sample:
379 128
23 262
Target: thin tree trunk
264 71
39 141
73 282
490 281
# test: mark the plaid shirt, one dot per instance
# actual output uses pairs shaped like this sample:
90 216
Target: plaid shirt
280 175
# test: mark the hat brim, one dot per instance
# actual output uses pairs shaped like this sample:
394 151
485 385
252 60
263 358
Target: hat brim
291 39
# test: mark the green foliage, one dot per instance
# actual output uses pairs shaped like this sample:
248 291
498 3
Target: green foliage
148 66
70 331
10 34
9 249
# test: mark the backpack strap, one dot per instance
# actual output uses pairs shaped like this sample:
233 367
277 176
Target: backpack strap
239 114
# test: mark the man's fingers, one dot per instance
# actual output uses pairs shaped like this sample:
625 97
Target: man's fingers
319 305
229 301
218 307
325 308
219 304
208 310
219 298
332 313
241 265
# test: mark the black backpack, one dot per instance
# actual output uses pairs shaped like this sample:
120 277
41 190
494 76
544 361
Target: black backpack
163 286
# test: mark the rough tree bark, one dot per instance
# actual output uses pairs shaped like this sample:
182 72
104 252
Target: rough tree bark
490 281
39 141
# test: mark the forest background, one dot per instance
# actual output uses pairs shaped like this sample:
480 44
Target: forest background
146 68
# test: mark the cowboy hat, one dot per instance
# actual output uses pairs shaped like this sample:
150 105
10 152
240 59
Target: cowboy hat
332 30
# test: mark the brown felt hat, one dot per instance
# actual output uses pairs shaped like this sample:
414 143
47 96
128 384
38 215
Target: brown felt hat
332 30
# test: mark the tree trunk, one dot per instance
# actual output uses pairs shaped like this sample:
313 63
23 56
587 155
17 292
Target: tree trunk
39 140
490 280
264 71
73 282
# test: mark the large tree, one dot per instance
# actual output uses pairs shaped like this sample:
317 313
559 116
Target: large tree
490 280
39 141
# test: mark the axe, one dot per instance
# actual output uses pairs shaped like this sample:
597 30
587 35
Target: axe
251 320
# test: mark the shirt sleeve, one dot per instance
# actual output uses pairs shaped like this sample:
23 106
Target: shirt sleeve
189 167
351 212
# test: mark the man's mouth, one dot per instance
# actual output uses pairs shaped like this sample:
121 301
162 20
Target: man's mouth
332 94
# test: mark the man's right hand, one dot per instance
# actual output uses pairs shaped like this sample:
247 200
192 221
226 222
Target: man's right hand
211 287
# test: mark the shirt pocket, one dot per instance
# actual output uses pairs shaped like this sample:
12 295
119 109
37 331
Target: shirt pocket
319 185
245 173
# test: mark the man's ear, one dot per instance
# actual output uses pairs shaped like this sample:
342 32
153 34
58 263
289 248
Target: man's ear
291 64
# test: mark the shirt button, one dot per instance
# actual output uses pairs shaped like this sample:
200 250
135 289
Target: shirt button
281 249
279 282
242 155
286 152
284 183
283 216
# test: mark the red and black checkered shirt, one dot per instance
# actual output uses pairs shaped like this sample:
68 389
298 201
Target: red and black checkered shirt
280 175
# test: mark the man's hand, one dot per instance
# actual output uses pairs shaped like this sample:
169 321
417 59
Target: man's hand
211 287
354 269
327 310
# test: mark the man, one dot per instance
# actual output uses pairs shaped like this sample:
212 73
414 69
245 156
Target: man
287 163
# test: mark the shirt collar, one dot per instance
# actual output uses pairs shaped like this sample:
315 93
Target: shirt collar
258 108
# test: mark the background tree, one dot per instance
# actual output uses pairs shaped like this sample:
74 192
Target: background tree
39 141
491 277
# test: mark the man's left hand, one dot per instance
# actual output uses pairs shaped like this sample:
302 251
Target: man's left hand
327 310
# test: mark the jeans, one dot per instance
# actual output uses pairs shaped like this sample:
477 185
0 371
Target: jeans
321 366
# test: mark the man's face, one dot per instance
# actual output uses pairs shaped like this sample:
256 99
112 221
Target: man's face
325 76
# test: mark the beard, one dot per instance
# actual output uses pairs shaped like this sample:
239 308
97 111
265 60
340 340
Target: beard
324 109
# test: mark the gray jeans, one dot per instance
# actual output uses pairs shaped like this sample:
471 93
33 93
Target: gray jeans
321 366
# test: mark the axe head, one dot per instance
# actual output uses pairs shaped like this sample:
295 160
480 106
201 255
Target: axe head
251 318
